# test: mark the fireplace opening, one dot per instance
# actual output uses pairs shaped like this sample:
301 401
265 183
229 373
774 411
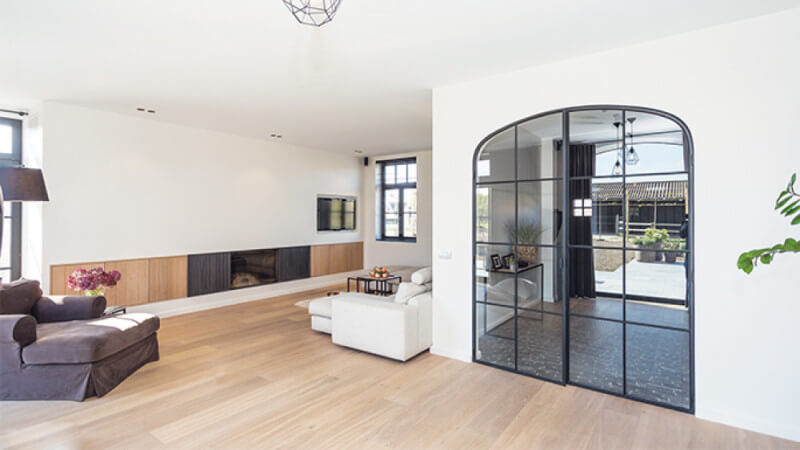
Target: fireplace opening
253 268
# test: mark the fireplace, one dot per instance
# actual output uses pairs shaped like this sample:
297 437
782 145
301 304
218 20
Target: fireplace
253 268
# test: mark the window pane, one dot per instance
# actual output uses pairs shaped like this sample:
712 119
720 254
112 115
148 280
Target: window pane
658 207
496 160
391 201
412 173
5 275
410 225
494 334
410 200
6 141
658 365
390 174
495 209
603 268
539 220
595 353
401 173
653 144
5 257
392 225
538 281
595 138
538 153
494 283
539 344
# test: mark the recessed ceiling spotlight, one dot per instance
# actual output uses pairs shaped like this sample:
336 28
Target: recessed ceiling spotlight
358 152
150 111
276 136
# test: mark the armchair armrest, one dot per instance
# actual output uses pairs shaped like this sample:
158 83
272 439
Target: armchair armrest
64 308
17 328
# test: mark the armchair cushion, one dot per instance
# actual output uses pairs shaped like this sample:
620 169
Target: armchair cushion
18 328
18 297
84 341
65 308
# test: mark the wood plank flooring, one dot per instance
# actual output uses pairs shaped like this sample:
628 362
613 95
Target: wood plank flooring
255 375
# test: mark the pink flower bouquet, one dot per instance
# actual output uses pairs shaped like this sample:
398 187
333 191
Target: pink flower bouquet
93 281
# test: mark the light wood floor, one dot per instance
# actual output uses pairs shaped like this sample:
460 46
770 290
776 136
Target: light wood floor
256 375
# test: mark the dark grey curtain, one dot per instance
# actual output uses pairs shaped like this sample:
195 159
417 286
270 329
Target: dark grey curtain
581 261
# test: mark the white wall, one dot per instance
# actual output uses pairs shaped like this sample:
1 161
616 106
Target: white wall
124 187
384 253
736 86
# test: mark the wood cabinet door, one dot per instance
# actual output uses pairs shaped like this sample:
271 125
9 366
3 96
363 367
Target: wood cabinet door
168 278
133 287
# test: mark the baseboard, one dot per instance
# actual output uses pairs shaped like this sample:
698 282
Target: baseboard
447 353
781 430
188 305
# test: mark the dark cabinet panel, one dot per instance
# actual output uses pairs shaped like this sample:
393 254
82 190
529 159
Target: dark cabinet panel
210 272
294 263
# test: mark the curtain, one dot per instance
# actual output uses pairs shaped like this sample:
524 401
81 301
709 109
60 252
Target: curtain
581 261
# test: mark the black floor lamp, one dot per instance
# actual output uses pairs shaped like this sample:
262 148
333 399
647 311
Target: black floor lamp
18 184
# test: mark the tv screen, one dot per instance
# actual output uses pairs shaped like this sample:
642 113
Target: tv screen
336 214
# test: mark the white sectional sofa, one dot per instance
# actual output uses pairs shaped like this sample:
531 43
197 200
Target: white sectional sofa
397 327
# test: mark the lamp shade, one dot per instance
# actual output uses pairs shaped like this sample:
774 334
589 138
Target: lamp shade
20 184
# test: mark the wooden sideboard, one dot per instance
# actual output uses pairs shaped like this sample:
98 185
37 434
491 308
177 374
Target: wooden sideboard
148 280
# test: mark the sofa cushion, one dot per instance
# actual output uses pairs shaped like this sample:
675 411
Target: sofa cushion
407 291
422 276
83 341
19 296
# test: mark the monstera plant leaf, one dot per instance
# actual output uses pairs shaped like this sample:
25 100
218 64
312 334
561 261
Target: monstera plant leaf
788 205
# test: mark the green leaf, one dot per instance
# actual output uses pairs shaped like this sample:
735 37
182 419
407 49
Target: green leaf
780 197
789 207
766 258
793 210
780 204
796 220
794 178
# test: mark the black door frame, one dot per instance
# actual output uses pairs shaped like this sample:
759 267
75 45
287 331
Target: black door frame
563 247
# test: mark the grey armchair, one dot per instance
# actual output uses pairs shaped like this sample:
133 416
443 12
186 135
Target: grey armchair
62 348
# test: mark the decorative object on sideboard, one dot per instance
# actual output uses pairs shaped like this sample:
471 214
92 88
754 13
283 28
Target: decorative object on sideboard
379 272
527 232
93 281
20 184
313 12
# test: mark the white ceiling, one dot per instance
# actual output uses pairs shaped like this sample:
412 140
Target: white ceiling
361 82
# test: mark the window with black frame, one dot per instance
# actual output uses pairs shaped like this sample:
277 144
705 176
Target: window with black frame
396 200
11 155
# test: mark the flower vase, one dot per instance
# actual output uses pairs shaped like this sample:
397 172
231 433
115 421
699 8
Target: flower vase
94 293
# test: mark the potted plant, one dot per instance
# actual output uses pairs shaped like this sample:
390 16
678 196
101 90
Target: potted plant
647 246
526 232
672 244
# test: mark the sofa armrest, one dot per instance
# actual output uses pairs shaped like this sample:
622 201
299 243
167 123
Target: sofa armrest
64 308
17 328
375 326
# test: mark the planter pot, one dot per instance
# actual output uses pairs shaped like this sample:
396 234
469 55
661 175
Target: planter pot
659 254
646 256
527 254
670 257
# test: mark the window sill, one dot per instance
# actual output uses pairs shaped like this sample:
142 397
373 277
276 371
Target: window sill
409 240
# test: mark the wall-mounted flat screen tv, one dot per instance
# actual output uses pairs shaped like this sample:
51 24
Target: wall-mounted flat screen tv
336 214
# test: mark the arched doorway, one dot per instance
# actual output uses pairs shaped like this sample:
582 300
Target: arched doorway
583 249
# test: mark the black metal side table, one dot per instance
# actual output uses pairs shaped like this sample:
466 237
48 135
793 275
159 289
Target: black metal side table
377 286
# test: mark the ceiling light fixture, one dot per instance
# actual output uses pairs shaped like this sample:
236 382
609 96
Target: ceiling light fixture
617 170
151 111
276 136
632 158
313 12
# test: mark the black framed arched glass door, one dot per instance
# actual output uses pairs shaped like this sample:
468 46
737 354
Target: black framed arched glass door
583 249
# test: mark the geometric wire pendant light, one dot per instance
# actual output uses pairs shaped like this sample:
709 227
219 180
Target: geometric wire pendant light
313 12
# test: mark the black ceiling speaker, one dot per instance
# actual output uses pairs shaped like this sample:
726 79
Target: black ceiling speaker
366 161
